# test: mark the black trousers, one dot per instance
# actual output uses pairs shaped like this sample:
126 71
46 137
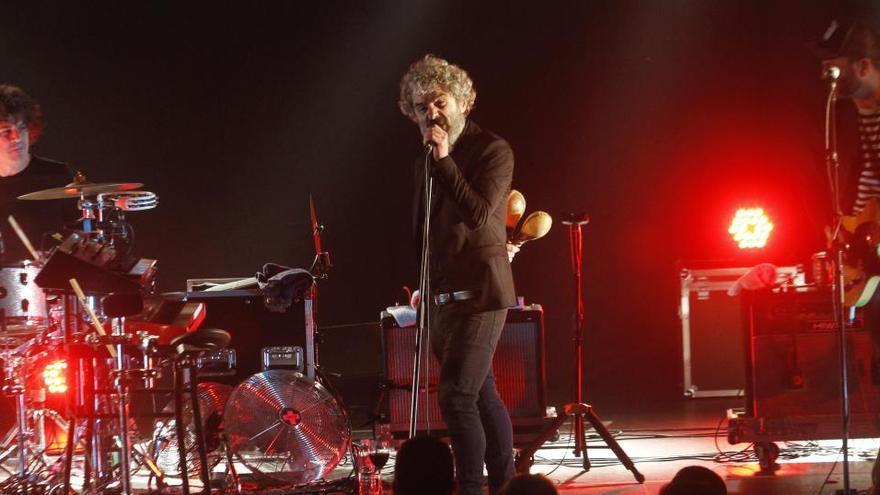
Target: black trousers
478 421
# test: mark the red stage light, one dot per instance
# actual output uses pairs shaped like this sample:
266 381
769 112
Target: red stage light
55 377
750 228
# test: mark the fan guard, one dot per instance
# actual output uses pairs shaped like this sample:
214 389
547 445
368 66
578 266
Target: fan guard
286 427
212 400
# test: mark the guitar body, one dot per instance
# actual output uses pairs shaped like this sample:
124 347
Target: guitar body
859 288
861 270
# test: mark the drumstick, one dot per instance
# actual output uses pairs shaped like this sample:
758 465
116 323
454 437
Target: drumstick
92 316
24 238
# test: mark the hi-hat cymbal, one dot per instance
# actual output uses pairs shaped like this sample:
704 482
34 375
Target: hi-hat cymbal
77 189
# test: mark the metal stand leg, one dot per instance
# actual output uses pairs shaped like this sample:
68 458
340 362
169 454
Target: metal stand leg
88 453
586 411
233 481
178 423
22 436
125 441
197 425
580 438
577 412
68 453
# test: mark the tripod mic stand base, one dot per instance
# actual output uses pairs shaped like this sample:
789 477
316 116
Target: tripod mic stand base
578 413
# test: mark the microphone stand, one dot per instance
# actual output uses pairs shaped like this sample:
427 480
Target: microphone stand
423 325
578 411
832 166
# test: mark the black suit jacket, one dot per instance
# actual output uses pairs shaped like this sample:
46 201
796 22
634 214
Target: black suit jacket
468 221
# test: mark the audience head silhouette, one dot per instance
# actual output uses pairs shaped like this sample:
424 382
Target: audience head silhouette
528 484
695 480
424 467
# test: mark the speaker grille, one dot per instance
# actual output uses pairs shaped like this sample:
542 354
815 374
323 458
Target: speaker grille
518 368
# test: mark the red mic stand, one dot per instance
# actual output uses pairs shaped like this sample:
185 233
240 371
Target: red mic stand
577 410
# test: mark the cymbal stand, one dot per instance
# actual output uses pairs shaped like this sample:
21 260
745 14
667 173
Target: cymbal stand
578 411
23 480
91 413
91 222
121 385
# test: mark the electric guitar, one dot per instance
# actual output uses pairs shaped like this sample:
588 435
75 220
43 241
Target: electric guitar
861 268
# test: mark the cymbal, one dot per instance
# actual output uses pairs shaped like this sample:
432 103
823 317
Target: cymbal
77 189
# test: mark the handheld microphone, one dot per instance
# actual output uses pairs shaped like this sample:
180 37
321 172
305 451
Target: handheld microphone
429 146
831 73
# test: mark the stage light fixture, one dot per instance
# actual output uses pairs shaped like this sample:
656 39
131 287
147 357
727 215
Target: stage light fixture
750 228
55 377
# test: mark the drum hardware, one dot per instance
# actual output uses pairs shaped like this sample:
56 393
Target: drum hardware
93 402
129 200
79 188
100 423
117 307
233 481
22 300
27 438
212 399
95 274
188 347
112 199
27 323
217 363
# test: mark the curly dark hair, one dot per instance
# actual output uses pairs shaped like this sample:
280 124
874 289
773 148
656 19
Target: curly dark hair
17 105
431 73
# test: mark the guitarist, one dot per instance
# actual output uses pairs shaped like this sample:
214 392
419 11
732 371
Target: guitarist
853 46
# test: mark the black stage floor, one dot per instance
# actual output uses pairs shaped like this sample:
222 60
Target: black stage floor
661 437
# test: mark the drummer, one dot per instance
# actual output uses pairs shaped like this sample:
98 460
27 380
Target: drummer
21 172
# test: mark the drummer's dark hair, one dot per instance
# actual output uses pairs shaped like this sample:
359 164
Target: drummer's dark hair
15 104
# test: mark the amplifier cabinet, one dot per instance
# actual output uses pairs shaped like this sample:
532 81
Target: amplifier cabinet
253 327
518 367
795 357
712 332
793 389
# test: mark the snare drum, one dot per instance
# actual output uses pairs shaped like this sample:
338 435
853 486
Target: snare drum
22 300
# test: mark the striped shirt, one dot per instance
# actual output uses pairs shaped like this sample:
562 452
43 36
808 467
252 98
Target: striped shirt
869 157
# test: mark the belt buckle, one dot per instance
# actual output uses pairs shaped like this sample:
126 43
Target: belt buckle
443 298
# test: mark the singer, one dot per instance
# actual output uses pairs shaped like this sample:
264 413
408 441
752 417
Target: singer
471 280
853 47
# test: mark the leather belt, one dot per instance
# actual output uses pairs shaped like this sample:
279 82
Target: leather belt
448 297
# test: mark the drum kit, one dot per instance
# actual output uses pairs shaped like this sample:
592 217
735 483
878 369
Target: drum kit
85 342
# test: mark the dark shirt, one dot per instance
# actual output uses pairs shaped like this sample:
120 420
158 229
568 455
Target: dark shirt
36 218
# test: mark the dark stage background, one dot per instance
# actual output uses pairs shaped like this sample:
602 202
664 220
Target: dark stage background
658 118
